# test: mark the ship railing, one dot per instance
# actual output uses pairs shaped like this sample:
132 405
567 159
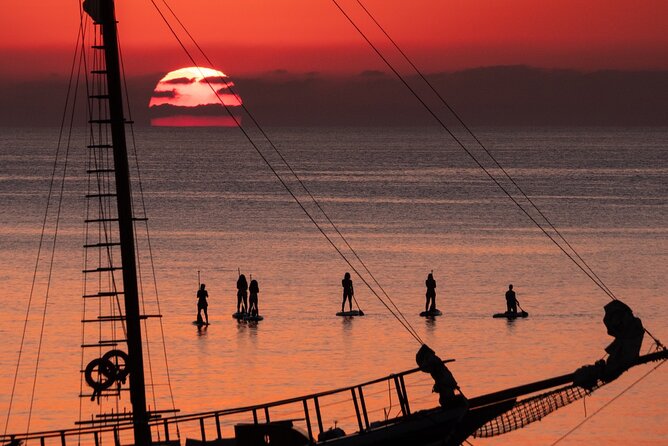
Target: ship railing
353 408
388 395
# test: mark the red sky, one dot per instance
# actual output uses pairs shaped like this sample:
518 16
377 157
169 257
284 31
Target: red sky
255 36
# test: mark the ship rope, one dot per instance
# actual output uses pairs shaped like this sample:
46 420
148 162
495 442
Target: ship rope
529 410
485 149
101 212
142 202
99 161
83 26
619 395
391 306
63 140
569 250
147 341
535 408
289 167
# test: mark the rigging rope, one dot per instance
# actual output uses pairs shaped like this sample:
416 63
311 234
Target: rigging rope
597 411
148 239
581 264
294 174
454 137
83 25
44 224
102 160
530 410
599 281
147 343
103 181
403 321
53 246
99 162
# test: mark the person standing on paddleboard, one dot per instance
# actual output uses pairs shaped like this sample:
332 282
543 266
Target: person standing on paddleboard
242 294
348 292
511 300
253 289
202 304
431 294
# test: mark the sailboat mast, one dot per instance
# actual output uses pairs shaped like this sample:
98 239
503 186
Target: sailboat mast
103 12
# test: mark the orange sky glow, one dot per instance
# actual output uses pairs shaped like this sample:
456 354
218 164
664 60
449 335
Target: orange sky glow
257 36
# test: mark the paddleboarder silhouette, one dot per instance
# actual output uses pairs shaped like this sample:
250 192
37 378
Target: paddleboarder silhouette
511 300
202 304
431 293
348 292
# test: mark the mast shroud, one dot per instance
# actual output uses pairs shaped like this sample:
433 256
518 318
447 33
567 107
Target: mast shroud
103 12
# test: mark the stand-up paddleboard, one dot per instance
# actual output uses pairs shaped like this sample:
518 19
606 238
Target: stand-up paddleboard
432 313
253 318
350 313
511 315
240 315
199 321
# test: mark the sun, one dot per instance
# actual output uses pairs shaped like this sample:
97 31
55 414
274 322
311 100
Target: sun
191 97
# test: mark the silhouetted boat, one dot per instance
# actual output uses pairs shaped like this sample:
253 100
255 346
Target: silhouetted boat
482 416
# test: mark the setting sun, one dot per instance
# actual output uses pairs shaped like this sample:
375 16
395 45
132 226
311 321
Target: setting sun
192 97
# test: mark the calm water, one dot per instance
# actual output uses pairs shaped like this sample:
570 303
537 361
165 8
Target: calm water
410 202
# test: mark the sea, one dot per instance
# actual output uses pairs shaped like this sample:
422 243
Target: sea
410 202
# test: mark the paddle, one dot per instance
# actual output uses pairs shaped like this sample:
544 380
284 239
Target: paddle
199 285
520 306
358 306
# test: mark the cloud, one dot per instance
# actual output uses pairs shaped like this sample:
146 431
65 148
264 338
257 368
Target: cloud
490 96
164 94
487 96
199 110
223 90
215 80
179 80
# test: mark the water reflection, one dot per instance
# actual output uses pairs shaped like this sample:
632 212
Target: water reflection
347 323
253 329
430 324
475 237
510 324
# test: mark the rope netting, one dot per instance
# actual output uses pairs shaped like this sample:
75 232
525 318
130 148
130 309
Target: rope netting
531 409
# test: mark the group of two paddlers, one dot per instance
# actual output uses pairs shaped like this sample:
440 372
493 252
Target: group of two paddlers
247 295
247 302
